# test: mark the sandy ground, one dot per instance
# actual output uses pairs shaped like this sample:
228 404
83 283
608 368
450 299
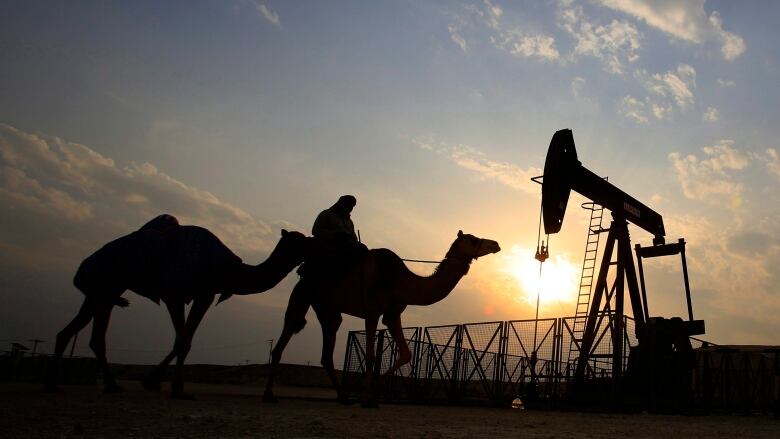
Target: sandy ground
237 411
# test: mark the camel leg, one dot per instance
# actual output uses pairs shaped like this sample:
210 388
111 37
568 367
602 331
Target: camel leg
294 322
184 343
98 345
78 323
152 381
369 397
393 323
330 323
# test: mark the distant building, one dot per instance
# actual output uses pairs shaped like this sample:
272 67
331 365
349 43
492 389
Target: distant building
18 349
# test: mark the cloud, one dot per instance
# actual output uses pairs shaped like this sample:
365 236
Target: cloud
521 44
577 86
69 193
455 36
677 85
675 88
512 39
633 108
271 16
687 21
711 115
474 160
615 44
772 162
726 83
710 178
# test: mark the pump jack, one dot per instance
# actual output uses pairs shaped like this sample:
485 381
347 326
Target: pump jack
659 338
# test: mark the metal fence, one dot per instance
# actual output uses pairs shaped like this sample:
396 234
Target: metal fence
493 362
489 362
737 380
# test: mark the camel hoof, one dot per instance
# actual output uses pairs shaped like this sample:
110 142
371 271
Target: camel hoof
52 389
183 396
113 388
151 384
270 399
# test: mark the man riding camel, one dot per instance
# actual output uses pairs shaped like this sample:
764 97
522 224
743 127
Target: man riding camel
334 224
337 243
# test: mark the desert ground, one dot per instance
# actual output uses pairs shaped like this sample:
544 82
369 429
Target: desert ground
237 411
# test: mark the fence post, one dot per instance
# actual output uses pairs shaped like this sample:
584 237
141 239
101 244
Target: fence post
498 366
345 372
456 360
556 358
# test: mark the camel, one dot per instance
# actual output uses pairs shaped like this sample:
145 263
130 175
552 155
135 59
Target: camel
379 285
175 264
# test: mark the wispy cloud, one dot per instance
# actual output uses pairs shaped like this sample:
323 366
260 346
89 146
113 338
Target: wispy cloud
616 44
677 85
673 89
525 45
709 178
470 158
456 36
509 38
633 109
772 162
711 115
726 83
270 16
577 86
687 21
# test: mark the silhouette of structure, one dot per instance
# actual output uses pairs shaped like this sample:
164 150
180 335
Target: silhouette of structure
664 352
164 261
378 285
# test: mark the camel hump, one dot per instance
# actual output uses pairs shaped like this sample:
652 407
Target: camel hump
200 260
204 243
161 223
389 266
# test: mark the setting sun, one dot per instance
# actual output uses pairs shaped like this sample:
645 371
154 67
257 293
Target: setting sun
559 280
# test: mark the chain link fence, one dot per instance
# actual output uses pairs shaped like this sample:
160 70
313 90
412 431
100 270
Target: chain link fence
490 362
494 362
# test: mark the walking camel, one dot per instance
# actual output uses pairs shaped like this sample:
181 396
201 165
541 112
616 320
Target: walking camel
175 264
378 286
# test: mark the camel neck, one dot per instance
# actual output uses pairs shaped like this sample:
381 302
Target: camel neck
428 290
263 276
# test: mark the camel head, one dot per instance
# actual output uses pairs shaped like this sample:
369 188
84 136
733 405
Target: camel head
469 247
293 247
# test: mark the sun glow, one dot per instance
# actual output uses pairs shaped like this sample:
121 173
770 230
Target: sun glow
559 281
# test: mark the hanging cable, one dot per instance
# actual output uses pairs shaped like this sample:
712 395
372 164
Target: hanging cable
542 253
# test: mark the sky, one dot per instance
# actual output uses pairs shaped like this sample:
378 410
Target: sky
250 116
